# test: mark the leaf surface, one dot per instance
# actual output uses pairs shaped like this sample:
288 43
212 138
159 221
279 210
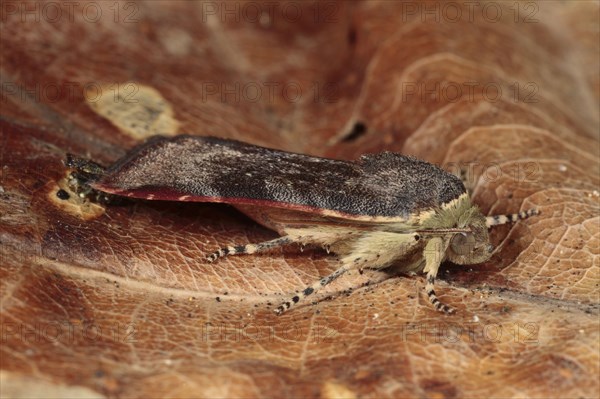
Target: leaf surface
118 302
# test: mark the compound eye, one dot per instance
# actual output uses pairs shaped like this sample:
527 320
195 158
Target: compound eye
463 243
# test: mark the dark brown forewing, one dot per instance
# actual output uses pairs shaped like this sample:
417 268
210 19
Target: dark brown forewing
208 169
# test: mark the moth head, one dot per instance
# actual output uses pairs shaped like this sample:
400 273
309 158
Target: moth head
472 245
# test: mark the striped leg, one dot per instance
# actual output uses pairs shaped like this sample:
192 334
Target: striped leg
433 253
248 248
312 289
439 306
375 250
503 219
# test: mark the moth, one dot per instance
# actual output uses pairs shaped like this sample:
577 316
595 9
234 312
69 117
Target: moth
381 210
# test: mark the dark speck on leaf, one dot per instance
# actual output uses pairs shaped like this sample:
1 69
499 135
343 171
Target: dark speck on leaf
62 194
358 130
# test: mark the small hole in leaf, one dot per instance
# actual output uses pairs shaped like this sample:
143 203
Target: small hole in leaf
62 194
358 130
352 36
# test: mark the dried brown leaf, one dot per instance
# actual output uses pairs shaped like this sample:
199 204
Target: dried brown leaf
118 302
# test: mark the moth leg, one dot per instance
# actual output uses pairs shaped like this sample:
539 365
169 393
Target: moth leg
88 168
503 219
248 248
312 289
433 254
374 250
84 172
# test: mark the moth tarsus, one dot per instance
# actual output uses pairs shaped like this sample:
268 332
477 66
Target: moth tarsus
247 249
84 167
83 172
381 210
